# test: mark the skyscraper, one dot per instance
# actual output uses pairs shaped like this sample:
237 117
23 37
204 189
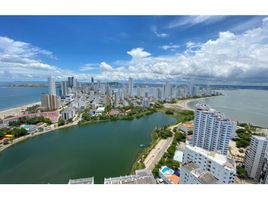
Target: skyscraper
167 90
255 156
51 86
71 82
212 130
130 87
64 89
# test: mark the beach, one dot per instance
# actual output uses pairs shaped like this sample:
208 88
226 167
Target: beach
183 104
17 110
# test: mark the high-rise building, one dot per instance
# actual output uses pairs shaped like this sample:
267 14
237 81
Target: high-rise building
71 82
206 164
167 90
130 87
255 156
64 89
116 98
51 86
212 130
49 102
264 169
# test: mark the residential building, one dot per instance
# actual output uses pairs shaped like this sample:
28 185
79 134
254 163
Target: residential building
141 176
130 87
68 113
89 180
64 89
255 156
49 102
191 174
167 90
264 169
220 166
212 130
51 86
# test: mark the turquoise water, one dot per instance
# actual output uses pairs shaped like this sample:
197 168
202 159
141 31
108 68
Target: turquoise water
101 150
241 105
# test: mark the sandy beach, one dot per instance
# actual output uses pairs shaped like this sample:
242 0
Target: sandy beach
17 110
183 104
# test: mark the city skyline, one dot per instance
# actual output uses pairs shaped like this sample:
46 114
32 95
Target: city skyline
203 49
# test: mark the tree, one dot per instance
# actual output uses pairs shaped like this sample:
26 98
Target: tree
61 122
86 116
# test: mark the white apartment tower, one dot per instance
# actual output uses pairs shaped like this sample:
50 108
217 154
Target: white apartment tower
51 86
64 88
212 130
255 156
130 87
208 167
167 90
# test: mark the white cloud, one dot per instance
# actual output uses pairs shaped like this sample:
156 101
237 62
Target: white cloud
230 57
138 53
105 67
170 46
87 67
160 35
240 58
194 20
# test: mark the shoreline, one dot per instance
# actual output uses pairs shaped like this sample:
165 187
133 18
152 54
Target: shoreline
183 104
26 137
16 110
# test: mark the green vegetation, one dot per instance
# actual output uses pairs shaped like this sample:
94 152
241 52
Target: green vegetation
181 115
32 109
167 159
30 120
169 112
244 135
61 122
241 172
134 113
16 132
162 133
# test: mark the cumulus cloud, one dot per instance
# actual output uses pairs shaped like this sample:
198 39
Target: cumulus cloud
138 53
105 67
229 57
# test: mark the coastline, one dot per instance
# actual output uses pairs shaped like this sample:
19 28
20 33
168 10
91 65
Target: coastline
183 104
26 137
16 110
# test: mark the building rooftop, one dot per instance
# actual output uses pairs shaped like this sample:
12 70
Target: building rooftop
219 158
141 177
89 180
203 176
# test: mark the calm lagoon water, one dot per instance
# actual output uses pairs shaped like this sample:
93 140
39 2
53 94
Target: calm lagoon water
101 150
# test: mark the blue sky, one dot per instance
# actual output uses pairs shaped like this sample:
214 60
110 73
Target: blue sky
153 48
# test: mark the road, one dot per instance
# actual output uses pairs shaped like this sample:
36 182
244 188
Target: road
158 151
